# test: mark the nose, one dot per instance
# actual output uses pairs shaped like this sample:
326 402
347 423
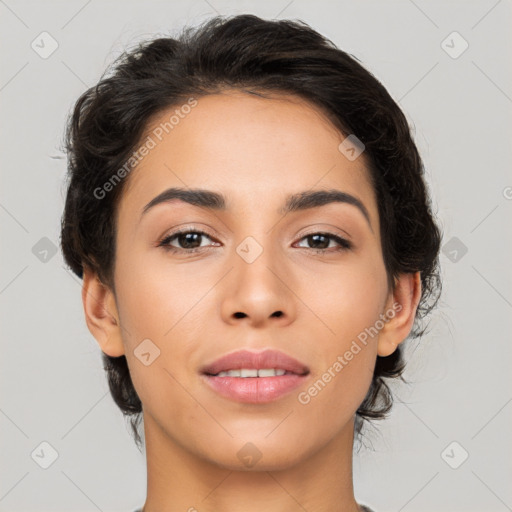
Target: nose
258 291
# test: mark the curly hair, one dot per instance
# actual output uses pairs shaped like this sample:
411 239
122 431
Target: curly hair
247 53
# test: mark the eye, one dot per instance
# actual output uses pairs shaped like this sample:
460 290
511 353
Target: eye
188 239
322 241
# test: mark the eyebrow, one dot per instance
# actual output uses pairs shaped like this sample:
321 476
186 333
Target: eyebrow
296 202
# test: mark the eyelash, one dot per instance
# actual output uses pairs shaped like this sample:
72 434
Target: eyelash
345 245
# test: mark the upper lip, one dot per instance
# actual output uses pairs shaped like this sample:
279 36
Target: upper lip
255 360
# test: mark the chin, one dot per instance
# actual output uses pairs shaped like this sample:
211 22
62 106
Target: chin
254 456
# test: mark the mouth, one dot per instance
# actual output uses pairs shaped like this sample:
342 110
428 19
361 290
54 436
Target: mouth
253 372
255 377
246 362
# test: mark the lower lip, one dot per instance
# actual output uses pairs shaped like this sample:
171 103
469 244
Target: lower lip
255 390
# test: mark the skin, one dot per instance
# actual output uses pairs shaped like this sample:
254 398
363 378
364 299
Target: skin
255 151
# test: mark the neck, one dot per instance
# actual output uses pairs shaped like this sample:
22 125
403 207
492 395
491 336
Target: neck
178 479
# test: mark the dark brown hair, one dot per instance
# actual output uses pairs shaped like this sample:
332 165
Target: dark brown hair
249 54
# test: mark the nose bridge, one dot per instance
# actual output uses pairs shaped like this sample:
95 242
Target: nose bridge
256 287
253 258
256 250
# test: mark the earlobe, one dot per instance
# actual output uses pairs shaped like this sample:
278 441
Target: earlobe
401 311
101 314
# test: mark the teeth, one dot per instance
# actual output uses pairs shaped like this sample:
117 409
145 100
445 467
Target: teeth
252 372
249 373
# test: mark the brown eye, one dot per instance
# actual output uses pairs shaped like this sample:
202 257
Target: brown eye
188 241
320 242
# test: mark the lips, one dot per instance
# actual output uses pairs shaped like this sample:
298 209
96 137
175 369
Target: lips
256 360
236 376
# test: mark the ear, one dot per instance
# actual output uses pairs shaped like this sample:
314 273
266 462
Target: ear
400 309
101 314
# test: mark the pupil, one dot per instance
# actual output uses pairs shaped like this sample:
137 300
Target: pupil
185 237
316 237
189 238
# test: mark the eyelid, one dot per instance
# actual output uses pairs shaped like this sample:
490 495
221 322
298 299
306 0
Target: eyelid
344 243
182 230
331 230
314 230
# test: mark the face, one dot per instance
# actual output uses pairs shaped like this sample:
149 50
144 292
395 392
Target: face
248 276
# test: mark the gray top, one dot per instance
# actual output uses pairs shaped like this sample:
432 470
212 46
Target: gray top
364 508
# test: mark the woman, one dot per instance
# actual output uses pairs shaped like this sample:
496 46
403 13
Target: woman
248 212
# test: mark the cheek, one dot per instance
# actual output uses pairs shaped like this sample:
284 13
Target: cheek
347 302
152 296
159 303
346 298
340 384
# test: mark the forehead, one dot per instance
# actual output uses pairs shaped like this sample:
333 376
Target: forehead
247 147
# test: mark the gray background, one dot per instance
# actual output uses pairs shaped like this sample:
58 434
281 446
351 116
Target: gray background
53 388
